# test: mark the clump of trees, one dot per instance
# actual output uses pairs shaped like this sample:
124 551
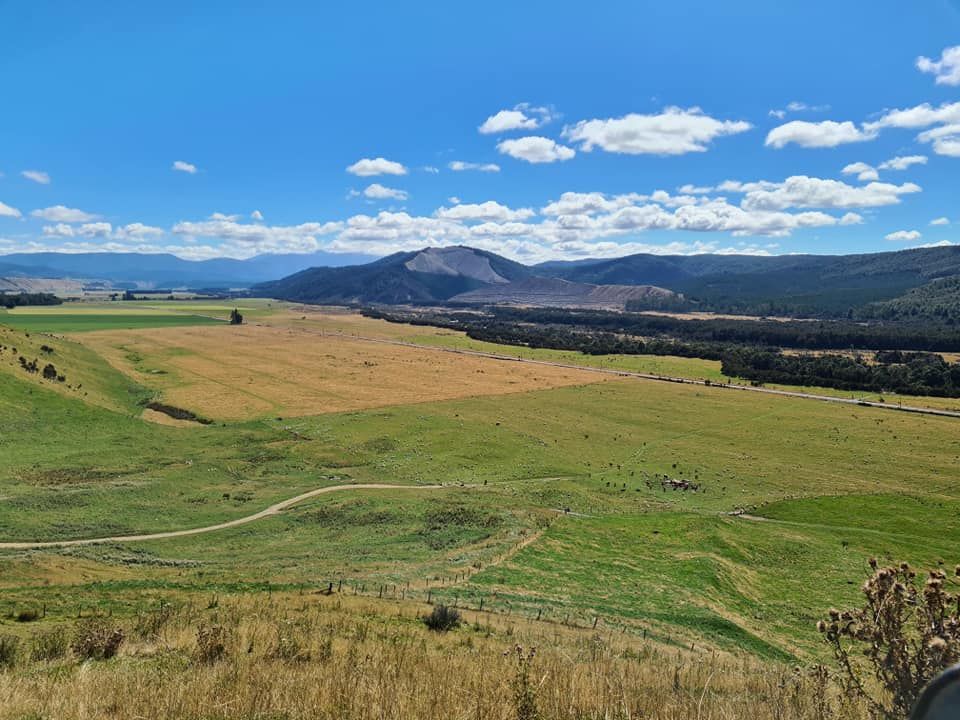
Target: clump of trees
905 373
12 300
235 317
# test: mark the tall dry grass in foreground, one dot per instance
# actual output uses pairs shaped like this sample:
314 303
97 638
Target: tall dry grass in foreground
344 658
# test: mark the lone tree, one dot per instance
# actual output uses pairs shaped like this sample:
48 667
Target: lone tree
235 317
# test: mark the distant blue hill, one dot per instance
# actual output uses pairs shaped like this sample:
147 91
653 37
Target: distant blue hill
166 271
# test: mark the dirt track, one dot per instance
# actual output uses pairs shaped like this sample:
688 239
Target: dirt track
272 510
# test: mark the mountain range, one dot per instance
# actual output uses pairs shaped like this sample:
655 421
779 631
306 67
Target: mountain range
167 271
889 284
823 285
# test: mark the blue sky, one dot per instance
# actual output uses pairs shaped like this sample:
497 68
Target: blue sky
241 128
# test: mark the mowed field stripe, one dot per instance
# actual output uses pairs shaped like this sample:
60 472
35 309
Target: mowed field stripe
267 512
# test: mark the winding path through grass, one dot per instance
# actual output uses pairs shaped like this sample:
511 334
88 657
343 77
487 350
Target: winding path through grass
272 510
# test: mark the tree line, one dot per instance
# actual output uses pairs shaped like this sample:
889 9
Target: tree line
12 300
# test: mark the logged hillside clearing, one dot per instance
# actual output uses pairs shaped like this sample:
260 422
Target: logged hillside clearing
551 292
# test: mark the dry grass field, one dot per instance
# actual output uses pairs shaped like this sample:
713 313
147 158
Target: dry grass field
250 371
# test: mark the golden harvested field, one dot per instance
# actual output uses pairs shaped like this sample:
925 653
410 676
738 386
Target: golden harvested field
250 371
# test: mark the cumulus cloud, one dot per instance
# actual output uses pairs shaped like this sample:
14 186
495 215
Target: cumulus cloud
945 139
37 176
221 216
59 213
487 211
863 171
376 191
946 70
8 211
903 162
183 166
138 231
940 221
246 239
453 200
903 236
367 167
675 131
535 149
461 166
430 169
522 117
801 191
825 134
256 215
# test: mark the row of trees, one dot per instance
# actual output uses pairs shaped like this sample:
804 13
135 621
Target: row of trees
919 374
12 300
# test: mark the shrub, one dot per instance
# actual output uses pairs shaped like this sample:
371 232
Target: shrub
8 650
211 643
48 645
906 633
25 616
97 639
442 619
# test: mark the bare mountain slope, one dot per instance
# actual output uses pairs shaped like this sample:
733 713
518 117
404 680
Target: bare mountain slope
553 292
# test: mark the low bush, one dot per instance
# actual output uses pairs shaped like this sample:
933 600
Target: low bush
97 639
443 618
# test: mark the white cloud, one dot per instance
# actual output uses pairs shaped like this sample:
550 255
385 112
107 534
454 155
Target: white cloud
87 230
919 116
38 176
523 117
825 134
7 211
183 166
675 131
508 120
221 216
256 215
863 171
453 200
801 191
903 236
246 240
690 189
946 70
430 169
367 167
945 139
460 166
592 203
903 162
59 213
851 218
940 221
797 106
376 191
487 211
535 149
137 231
